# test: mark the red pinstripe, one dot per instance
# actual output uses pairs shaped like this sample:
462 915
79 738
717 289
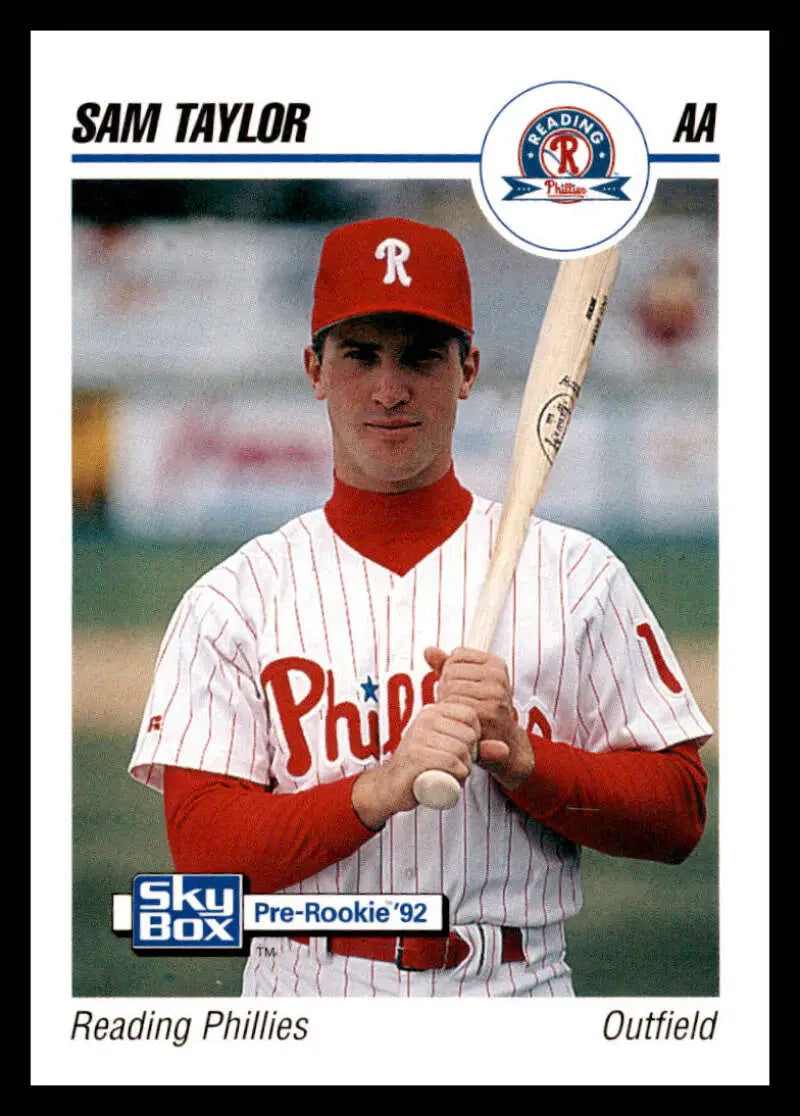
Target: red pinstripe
294 969
191 713
267 555
464 798
508 866
294 586
371 615
546 859
594 689
526 890
488 849
346 606
579 559
561 869
563 623
210 714
232 736
258 589
413 615
210 693
610 662
593 582
239 613
701 730
319 588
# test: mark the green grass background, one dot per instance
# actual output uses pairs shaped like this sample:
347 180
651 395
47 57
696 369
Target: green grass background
645 930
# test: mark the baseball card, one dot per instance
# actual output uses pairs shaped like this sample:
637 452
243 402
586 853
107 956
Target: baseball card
390 391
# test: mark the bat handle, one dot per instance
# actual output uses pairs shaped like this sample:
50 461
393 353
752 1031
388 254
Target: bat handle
437 789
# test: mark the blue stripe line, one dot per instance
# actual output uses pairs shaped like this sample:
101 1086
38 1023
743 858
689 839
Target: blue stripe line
239 158
351 158
684 158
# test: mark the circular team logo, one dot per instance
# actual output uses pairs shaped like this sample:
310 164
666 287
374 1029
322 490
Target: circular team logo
564 170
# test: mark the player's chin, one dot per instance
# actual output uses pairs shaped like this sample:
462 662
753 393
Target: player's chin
396 457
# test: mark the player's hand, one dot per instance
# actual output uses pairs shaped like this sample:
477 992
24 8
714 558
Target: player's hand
443 736
481 680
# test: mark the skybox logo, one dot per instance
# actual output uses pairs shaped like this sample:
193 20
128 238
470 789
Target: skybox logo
550 156
187 912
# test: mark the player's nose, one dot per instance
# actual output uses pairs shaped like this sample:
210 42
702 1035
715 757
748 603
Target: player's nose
390 382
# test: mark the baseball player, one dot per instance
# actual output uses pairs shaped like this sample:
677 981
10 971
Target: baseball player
305 682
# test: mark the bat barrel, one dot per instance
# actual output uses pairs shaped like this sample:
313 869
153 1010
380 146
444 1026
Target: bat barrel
563 351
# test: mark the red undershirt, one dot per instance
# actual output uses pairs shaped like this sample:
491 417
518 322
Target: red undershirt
639 804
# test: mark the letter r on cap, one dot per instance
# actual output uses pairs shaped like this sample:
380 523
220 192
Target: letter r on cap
396 253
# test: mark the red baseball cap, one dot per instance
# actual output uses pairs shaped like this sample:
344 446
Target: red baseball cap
391 265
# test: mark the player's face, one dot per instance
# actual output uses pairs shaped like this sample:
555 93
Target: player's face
392 386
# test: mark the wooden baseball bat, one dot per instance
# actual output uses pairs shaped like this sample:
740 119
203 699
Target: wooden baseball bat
563 351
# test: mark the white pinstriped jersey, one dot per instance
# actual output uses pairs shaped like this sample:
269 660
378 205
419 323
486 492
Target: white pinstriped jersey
297 661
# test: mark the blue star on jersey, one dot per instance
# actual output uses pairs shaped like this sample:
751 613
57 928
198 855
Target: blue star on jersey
370 689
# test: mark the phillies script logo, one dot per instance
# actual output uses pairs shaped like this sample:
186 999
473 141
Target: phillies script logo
295 699
566 155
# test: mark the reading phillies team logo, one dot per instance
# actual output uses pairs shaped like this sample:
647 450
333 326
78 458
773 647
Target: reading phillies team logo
570 145
566 156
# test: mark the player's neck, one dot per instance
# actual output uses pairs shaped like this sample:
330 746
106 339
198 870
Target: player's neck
397 530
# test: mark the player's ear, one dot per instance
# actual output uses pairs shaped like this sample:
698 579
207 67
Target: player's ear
314 371
469 370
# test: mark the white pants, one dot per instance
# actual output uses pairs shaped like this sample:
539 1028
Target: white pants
281 967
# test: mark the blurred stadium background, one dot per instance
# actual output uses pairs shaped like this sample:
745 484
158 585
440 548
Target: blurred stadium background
193 430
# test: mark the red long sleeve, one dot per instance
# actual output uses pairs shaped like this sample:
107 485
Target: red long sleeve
219 824
642 805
